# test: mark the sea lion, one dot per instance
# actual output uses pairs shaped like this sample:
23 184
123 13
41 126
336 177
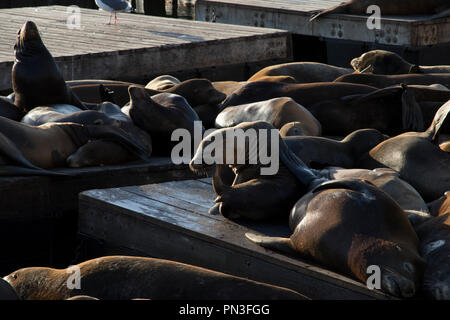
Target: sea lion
48 145
383 81
386 180
112 110
416 157
320 152
284 79
99 153
434 237
392 110
276 111
162 82
36 79
349 225
103 152
160 115
202 96
253 195
302 72
228 87
294 128
139 277
305 94
41 115
438 8
387 62
95 152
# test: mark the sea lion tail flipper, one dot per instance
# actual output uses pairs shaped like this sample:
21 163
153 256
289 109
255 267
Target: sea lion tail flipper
438 120
377 94
106 94
275 243
412 117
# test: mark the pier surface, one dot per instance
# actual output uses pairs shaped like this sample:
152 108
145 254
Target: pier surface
138 46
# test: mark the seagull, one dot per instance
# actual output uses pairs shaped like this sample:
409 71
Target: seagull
114 6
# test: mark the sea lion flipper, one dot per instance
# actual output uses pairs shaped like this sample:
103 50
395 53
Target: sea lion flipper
295 165
412 117
351 184
274 243
438 120
9 149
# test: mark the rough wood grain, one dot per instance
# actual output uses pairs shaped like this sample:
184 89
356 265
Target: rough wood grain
138 45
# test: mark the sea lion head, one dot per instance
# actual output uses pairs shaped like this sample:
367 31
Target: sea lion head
199 91
363 140
35 282
380 62
401 267
294 128
235 146
28 38
163 112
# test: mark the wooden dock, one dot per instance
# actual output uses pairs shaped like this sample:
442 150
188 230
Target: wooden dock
38 214
138 46
294 15
170 220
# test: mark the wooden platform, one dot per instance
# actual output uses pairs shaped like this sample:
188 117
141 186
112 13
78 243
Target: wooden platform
38 214
294 15
138 45
170 220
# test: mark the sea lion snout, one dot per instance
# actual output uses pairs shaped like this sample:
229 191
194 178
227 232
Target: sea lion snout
441 291
29 31
398 285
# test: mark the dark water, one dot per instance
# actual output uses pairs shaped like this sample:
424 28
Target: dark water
186 9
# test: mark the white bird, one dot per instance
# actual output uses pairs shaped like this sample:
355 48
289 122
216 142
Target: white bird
114 6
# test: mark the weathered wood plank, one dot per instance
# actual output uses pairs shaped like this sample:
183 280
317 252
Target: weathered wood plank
164 220
138 46
294 15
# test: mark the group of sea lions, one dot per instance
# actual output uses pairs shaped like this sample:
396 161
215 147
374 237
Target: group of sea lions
358 195
363 177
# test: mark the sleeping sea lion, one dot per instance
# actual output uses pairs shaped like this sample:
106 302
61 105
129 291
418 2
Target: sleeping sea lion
139 277
349 225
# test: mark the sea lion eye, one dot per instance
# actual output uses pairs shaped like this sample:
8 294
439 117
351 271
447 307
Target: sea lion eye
14 276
